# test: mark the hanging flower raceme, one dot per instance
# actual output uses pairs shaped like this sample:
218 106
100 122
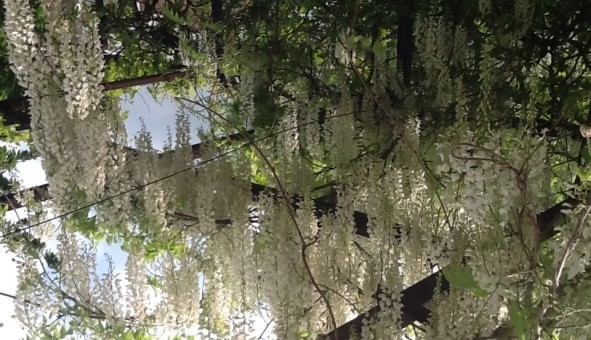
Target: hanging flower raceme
64 55
60 65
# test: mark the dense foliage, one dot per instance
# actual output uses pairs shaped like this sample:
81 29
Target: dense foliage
367 146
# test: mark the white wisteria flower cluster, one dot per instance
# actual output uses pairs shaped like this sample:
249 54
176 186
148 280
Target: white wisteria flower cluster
197 260
60 65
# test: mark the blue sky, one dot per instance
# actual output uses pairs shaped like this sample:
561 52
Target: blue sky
157 115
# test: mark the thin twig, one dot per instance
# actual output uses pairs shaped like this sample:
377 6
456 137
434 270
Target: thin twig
570 247
265 329
568 251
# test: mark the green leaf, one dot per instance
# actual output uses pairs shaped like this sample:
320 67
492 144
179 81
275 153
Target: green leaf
86 226
583 174
585 155
380 48
128 336
461 277
172 16
520 319
266 110
547 260
52 260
